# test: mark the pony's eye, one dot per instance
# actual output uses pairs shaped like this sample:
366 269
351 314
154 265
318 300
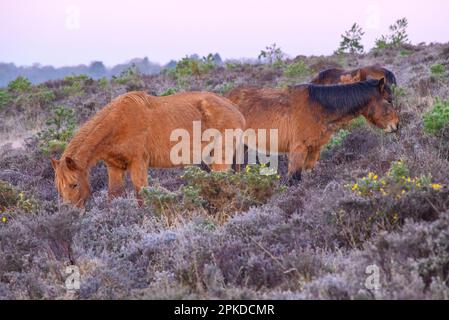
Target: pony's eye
73 186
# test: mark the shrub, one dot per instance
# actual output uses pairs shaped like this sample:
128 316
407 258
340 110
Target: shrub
43 96
131 78
19 85
12 200
169 92
218 193
436 118
297 70
76 84
60 129
232 191
437 70
337 139
272 55
5 98
398 35
350 41
384 203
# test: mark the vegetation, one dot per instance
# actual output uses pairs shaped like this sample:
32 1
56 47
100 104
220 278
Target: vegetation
351 40
373 199
437 70
398 35
59 131
437 117
273 55
297 70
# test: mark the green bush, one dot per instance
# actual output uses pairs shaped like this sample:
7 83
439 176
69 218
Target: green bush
437 70
229 192
12 200
216 193
437 118
337 139
76 85
5 98
383 203
351 40
297 70
60 129
19 85
43 96
168 92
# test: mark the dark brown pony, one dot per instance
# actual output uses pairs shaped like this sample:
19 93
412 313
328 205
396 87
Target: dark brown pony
133 133
307 115
336 75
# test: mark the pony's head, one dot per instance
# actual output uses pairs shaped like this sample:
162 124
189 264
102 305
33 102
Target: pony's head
71 181
380 111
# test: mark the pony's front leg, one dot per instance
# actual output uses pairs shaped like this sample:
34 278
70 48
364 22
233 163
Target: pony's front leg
139 177
296 159
116 184
313 155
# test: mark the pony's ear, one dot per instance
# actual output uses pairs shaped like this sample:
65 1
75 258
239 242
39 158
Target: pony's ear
382 85
54 163
71 164
358 76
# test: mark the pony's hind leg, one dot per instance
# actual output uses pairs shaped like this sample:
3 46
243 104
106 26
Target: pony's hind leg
139 177
116 184
296 159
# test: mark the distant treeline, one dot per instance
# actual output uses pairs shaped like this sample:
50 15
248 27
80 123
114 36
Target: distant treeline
96 70
38 74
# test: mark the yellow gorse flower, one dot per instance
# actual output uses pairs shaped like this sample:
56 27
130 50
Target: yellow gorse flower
436 186
4 219
355 187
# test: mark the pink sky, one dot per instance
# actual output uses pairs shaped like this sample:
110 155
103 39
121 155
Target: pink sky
63 32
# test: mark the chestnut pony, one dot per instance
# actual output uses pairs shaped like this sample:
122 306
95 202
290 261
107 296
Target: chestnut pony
336 75
132 133
307 115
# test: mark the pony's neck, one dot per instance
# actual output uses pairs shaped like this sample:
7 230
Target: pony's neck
85 146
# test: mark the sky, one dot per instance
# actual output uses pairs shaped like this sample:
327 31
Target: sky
72 32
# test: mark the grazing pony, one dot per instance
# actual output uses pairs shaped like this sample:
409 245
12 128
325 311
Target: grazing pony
341 76
132 133
307 115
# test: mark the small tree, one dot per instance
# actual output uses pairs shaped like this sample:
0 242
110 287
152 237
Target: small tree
350 41
398 35
273 55
399 32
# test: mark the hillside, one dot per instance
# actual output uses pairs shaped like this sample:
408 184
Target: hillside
315 240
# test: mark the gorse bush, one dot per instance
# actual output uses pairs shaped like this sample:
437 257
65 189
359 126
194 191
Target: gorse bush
76 84
19 85
60 129
351 40
5 98
297 70
436 118
215 193
337 139
398 35
385 202
438 70
12 200
229 191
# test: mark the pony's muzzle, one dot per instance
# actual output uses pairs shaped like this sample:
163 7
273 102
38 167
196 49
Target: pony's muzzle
392 127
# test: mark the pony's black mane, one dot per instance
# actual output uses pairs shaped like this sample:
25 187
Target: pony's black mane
390 77
343 99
